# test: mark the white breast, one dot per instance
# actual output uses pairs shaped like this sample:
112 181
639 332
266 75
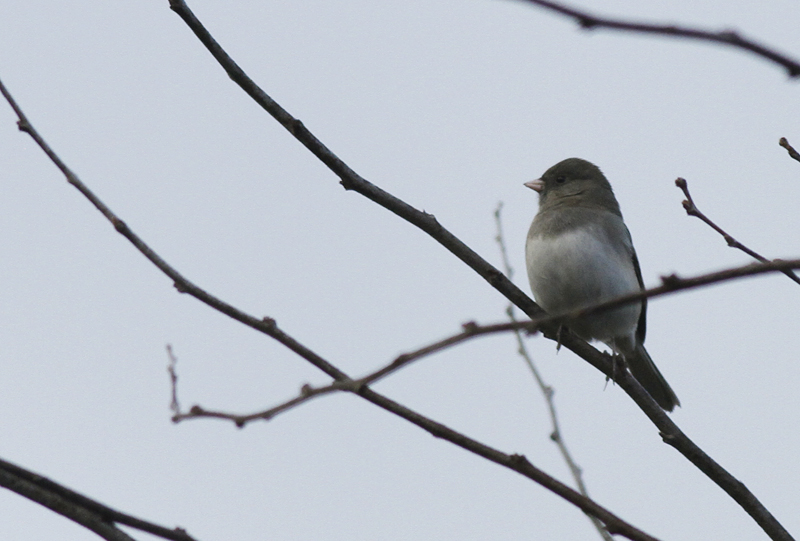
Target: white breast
579 268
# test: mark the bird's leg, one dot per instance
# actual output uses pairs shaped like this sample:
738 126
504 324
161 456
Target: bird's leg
613 370
616 355
558 337
618 361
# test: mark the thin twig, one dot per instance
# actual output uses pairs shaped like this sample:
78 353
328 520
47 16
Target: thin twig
725 37
670 284
517 463
546 389
266 325
470 330
692 210
174 405
240 420
673 282
789 148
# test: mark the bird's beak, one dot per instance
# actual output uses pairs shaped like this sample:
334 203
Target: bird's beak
535 185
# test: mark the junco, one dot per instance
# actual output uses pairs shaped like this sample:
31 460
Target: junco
580 253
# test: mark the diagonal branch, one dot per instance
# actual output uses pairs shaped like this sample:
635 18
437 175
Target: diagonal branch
517 463
350 180
182 284
470 330
724 37
692 210
93 515
670 284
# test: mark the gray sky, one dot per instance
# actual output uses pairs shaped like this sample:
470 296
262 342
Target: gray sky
450 106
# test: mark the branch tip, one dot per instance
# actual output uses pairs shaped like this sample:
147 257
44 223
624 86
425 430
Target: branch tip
692 210
789 148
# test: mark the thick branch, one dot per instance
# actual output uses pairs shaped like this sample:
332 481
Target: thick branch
518 463
78 508
725 37
350 180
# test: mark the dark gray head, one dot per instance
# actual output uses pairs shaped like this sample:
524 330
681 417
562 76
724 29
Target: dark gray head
574 182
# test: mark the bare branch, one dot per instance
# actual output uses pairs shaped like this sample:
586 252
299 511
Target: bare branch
426 222
514 462
673 283
725 37
471 329
240 420
670 284
789 148
692 210
93 515
350 180
517 463
182 284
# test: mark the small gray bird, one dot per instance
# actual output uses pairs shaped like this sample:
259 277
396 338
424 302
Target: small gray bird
580 253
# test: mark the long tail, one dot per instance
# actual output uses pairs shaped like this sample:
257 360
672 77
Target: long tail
644 370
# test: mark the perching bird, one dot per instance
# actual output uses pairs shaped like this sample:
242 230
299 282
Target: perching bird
580 253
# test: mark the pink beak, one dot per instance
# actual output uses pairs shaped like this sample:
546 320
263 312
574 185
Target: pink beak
535 185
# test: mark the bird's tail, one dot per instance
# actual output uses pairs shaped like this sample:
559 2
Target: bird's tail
644 370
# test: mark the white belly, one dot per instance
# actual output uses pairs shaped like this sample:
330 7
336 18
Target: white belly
576 269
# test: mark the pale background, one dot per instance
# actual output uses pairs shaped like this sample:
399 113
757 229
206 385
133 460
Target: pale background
451 106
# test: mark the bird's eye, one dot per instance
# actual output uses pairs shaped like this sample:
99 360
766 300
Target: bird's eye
561 180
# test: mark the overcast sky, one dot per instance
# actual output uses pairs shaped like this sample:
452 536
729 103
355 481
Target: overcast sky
451 106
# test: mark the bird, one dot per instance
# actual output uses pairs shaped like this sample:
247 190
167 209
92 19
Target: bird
579 253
